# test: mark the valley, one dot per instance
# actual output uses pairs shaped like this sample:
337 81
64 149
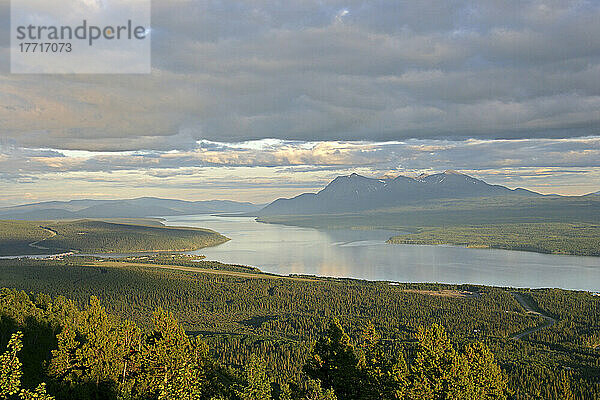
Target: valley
254 299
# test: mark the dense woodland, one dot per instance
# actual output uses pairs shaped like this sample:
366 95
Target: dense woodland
556 238
15 237
88 236
253 327
91 354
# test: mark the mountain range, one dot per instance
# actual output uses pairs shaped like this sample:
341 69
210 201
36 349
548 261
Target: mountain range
345 194
129 208
353 193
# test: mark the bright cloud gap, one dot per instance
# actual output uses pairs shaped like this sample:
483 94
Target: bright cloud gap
243 170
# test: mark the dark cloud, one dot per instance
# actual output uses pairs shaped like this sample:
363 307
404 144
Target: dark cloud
230 71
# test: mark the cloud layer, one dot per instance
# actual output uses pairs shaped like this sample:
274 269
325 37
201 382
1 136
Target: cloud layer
257 99
263 170
231 71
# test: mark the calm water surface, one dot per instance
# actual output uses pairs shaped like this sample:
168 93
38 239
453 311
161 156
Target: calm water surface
365 255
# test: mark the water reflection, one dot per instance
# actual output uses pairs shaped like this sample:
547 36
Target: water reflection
364 255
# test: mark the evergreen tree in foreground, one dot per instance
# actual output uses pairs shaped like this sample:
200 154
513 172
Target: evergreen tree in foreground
99 356
11 373
174 364
438 371
483 377
385 377
258 384
435 368
335 364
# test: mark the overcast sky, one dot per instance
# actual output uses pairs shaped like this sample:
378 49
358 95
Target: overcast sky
284 95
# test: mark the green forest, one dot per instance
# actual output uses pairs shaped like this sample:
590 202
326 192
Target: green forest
204 330
555 238
88 236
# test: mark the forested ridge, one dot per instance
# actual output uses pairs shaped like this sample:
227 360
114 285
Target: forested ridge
555 238
250 322
89 236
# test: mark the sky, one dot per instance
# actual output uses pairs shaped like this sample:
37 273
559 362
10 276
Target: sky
254 100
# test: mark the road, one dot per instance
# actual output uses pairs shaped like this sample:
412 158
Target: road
531 309
36 244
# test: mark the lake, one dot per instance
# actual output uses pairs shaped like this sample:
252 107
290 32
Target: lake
363 254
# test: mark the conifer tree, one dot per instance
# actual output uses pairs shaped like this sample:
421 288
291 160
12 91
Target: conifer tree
94 354
11 373
335 364
286 392
562 386
175 365
480 375
385 377
432 368
258 384
316 392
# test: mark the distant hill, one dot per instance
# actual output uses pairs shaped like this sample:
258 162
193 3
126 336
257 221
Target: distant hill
129 208
354 193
